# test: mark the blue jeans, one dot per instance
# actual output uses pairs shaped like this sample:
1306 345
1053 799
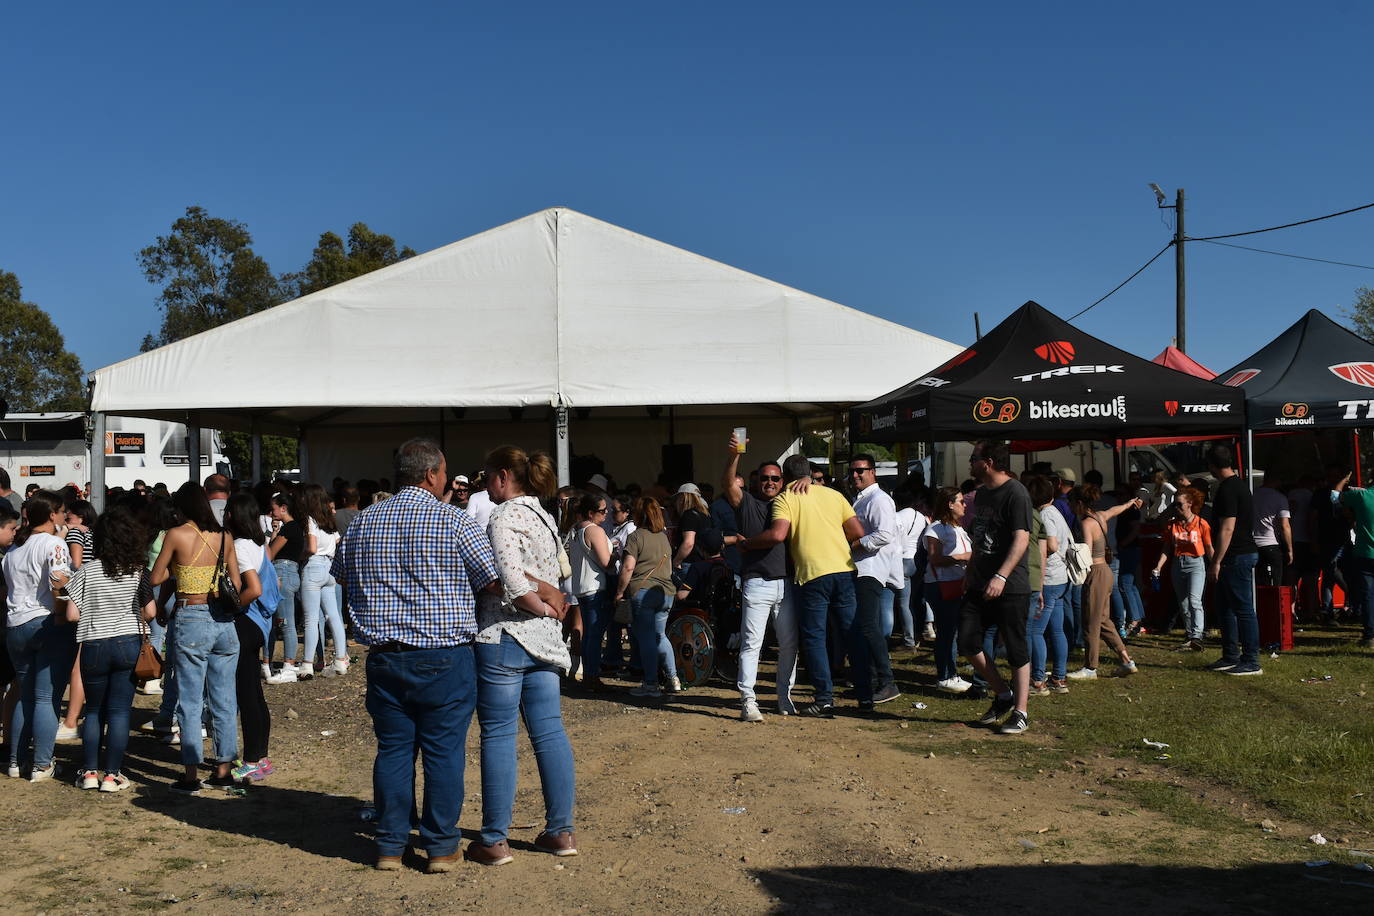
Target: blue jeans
1364 571
596 612
421 702
1126 583
167 708
317 591
43 653
650 633
289 582
900 609
869 664
1235 601
1045 630
1073 615
1117 602
817 601
946 632
1190 575
207 654
107 672
512 684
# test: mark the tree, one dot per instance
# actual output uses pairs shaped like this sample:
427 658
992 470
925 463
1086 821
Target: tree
209 274
333 263
1361 314
40 372
278 453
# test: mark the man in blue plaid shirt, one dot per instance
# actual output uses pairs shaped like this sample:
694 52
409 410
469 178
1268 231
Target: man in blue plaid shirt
411 565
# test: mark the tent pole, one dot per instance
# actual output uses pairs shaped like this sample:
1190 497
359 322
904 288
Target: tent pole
303 456
255 450
560 419
97 468
1250 458
192 451
1355 445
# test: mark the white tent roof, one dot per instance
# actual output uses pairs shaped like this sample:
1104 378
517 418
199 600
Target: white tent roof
603 317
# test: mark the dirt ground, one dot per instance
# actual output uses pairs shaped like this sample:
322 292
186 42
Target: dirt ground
899 812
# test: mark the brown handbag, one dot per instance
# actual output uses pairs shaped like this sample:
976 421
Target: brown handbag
148 666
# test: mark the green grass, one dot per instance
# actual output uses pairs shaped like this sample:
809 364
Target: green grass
1304 750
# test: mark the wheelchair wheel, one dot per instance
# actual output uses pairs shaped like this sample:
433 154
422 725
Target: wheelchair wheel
694 648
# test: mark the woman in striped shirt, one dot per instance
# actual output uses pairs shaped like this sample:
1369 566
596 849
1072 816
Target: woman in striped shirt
110 600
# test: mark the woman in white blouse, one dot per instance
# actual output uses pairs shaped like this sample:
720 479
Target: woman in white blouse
520 657
319 600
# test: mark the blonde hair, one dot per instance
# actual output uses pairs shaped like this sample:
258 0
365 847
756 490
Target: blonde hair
689 500
533 471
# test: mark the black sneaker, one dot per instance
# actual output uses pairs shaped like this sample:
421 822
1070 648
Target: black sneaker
187 786
997 710
1246 668
1016 724
887 694
818 711
865 706
1222 664
220 782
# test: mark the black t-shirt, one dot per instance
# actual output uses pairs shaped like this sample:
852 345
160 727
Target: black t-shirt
1234 501
295 541
998 513
694 520
752 517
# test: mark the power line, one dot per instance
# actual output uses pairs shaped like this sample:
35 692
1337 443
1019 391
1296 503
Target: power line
1128 279
1301 222
1283 254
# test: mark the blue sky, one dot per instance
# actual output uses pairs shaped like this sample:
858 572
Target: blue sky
914 160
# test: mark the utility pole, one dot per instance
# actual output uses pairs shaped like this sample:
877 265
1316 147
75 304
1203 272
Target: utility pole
1180 287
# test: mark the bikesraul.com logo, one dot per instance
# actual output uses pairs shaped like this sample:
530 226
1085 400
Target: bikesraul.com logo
1055 410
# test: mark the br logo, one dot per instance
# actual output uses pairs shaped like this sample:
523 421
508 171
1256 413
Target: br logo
996 410
1296 411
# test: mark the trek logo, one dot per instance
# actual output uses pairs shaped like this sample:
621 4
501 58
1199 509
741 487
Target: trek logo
1296 411
1352 410
1355 373
1056 351
996 410
1067 370
1054 410
1173 407
931 381
1243 376
915 414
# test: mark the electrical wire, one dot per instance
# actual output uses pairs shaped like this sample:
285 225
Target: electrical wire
1127 280
1301 222
1283 254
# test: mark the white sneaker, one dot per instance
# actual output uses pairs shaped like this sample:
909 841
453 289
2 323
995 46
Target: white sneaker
674 685
41 775
151 688
90 779
340 666
114 782
749 712
14 771
1083 674
954 684
929 632
1126 669
266 671
287 675
68 733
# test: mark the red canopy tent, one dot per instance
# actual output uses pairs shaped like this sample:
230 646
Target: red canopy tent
1175 358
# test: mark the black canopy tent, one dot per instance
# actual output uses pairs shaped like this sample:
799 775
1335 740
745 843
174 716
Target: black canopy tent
1035 376
1315 375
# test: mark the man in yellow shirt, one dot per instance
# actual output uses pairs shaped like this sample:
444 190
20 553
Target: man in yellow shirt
819 527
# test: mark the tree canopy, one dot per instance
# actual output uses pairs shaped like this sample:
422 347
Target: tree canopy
332 262
1361 312
41 374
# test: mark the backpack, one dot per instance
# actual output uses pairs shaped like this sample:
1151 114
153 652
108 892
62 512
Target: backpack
1078 559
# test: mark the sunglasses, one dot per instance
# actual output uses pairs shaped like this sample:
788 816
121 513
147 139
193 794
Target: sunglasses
598 512
859 470
770 477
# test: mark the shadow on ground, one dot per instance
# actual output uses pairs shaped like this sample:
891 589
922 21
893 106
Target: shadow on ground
1045 888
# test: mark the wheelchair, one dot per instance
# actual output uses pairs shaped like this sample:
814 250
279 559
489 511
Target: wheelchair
704 629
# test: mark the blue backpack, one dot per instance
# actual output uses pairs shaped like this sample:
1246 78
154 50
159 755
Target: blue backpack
264 606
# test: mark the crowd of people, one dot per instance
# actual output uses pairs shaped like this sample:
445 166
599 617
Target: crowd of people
491 593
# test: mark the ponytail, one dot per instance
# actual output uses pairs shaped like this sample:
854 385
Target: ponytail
533 471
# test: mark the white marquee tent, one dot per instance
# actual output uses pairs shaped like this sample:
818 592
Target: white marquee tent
629 342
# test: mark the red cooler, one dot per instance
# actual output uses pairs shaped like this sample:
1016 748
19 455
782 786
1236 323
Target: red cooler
1274 607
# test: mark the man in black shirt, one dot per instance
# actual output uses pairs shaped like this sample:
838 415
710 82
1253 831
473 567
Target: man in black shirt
997 583
766 593
1233 567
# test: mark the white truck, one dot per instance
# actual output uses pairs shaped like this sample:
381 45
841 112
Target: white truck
53 450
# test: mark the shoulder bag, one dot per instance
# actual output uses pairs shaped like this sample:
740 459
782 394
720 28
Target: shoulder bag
148 665
564 564
625 608
226 597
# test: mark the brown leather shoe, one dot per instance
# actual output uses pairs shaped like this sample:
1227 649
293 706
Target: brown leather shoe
495 854
440 864
558 844
389 863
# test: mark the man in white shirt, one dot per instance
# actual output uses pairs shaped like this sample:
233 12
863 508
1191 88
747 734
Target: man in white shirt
1272 534
878 557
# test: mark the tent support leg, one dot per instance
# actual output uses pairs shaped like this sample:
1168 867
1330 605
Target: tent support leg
1355 447
303 457
97 468
192 452
560 419
255 452
1249 462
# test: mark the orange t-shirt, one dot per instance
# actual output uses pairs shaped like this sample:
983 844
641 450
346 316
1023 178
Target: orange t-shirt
1190 539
